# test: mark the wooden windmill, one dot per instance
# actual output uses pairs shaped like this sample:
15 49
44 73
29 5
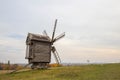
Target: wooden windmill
39 48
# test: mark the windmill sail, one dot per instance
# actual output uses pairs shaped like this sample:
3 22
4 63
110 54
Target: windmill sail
59 37
45 33
54 31
56 55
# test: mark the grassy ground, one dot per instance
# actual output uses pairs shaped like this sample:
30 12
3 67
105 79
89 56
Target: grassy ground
86 72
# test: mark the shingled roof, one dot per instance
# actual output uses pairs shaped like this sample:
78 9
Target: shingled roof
37 37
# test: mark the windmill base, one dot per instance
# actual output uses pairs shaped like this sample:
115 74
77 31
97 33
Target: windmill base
38 65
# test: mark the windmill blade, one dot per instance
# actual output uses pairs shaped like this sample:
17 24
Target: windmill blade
54 31
45 33
56 55
59 37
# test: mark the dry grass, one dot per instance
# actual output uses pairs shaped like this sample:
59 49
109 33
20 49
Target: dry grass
86 72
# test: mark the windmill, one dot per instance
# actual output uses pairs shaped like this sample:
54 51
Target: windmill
39 48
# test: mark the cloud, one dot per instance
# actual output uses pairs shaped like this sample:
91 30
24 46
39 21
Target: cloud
12 49
16 36
91 26
80 52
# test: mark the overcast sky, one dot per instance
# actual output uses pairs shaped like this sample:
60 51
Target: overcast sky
92 28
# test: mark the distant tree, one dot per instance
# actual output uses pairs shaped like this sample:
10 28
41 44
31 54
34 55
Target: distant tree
8 65
88 61
14 66
0 66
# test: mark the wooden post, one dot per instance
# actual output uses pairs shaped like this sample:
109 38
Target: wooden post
8 65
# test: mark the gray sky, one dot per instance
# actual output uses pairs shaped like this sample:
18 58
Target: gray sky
92 28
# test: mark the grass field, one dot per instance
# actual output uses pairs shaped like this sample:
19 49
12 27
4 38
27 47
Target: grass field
84 72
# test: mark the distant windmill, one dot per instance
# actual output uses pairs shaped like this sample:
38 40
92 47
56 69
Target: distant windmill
39 48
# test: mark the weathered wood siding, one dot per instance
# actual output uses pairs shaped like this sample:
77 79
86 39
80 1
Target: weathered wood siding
41 52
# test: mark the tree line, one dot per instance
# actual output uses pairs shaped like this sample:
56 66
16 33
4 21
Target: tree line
8 66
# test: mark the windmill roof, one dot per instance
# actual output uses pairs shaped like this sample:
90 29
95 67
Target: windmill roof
37 37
